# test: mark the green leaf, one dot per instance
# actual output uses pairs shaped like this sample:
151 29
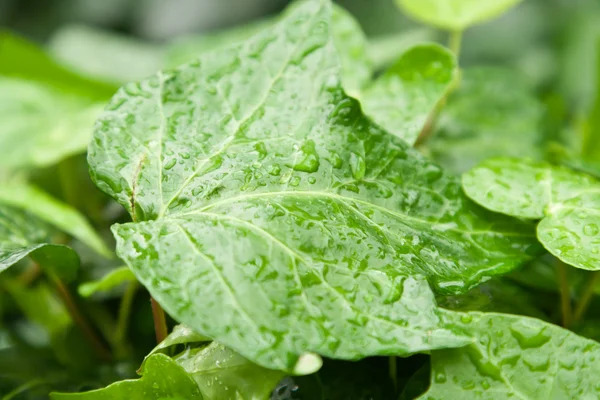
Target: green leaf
22 235
282 231
491 110
47 112
48 209
384 50
567 203
163 379
181 334
455 15
516 357
222 374
402 99
105 55
109 281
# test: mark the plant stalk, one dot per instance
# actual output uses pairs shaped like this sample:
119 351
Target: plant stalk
565 298
123 318
393 360
97 344
455 42
160 321
586 297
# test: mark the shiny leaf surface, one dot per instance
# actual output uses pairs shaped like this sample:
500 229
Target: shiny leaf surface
283 231
568 203
455 15
402 99
109 281
516 357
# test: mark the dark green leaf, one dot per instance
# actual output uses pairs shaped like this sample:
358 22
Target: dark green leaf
286 231
455 15
403 98
491 111
162 379
516 357
568 203
22 235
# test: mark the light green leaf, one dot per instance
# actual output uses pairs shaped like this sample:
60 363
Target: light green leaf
568 203
105 55
491 110
516 357
222 374
455 15
181 334
48 209
402 99
284 231
109 281
47 112
384 50
163 379
22 235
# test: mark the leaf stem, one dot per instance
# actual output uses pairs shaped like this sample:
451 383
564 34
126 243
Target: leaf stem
393 360
455 42
160 321
586 297
565 298
123 318
79 320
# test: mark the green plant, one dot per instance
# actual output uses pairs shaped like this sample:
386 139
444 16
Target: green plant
300 220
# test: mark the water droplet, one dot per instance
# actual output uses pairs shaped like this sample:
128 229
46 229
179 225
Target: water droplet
170 164
466 318
312 179
295 181
357 166
440 377
529 336
307 158
274 170
590 230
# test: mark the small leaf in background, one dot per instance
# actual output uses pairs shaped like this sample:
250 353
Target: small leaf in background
455 15
47 112
105 55
222 374
181 334
108 282
515 357
54 212
491 110
163 379
403 98
567 202
278 231
22 235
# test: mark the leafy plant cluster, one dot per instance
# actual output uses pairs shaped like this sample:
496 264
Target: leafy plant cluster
315 221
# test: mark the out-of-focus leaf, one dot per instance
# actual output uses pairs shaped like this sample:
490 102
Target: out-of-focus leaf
516 357
287 231
222 374
590 149
567 202
181 334
109 281
417 384
22 235
402 99
455 15
162 379
385 50
105 55
491 110
47 112
54 212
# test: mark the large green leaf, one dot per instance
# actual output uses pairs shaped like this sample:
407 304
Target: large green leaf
491 110
22 235
162 379
567 202
272 216
516 357
52 211
47 112
455 15
402 99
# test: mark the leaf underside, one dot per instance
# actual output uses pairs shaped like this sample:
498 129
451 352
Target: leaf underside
252 169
